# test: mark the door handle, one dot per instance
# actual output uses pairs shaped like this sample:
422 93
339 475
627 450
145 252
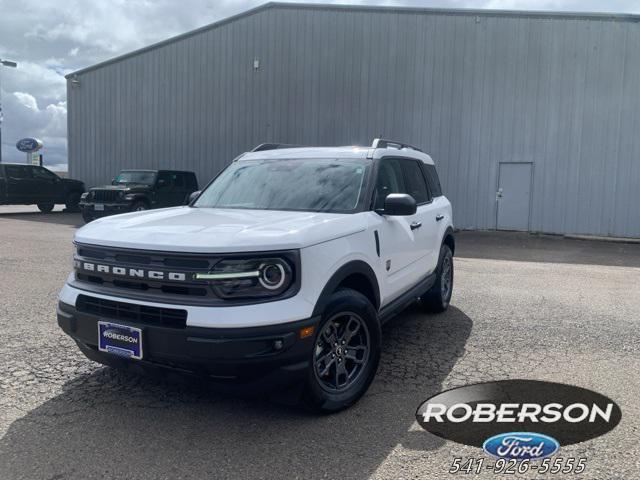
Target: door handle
415 225
439 217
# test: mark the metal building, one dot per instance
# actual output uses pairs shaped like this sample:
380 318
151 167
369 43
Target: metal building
544 107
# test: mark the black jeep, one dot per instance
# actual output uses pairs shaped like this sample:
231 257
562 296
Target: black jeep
22 184
136 190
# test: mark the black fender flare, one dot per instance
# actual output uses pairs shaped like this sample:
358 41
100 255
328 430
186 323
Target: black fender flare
449 233
349 268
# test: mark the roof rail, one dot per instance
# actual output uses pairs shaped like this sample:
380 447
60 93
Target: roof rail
274 146
385 143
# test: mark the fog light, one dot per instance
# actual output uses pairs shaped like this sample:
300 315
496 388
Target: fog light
277 345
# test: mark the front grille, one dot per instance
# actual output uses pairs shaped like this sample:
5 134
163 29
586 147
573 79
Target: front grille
162 290
105 195
109 309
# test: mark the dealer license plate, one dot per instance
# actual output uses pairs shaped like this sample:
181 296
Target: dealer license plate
120 340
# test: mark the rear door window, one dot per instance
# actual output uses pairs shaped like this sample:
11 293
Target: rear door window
415 181
18 172
433 180
43 174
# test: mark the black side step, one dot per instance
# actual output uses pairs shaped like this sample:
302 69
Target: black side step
403 301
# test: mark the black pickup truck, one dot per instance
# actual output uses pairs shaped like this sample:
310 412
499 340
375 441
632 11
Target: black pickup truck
136 190
30 184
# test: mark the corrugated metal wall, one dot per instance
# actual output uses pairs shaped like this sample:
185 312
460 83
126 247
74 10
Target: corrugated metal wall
473 90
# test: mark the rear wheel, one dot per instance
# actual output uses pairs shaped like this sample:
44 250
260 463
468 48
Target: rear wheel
438 296
46 207
346 353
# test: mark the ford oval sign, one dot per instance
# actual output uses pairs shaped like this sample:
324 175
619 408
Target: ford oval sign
521 446
474 413
29 145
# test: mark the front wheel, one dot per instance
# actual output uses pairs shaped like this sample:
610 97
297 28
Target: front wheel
346 353
72 202
438 296
45 207
139 207
86 216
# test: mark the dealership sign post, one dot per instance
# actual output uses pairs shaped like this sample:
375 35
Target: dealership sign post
30 146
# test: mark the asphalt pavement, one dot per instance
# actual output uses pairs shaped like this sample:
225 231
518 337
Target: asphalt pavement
524 306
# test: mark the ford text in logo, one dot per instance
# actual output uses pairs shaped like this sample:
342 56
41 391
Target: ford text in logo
521 446
474 413
29 145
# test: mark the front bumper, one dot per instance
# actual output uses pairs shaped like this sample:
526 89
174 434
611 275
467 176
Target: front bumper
256 358
89 209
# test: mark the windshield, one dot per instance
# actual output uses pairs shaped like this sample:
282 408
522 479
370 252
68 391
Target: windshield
145 178
306 185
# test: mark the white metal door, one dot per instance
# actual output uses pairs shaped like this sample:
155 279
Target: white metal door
514 196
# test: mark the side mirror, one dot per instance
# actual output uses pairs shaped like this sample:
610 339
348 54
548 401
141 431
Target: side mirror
113 181
161 183
399 204
192 197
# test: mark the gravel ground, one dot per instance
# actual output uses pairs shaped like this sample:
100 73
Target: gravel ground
537 307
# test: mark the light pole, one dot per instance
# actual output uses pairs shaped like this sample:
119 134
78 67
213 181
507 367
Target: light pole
3 63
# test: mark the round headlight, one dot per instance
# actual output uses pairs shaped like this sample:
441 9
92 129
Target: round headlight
272 275
121 194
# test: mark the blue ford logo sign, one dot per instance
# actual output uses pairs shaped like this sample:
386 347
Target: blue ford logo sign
29 145
521 446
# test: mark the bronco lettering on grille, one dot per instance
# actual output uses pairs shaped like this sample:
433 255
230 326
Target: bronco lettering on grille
130 272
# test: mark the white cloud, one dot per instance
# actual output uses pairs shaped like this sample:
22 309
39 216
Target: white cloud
26 100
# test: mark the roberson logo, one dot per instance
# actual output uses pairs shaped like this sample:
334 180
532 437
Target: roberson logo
519 418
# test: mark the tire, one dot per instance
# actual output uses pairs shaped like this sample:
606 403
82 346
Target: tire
72 202
86 216
328 387
46 207
139 206
437 298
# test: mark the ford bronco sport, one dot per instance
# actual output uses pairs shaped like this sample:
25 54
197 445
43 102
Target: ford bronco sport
279 273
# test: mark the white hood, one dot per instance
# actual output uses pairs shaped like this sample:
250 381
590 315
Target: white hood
213 230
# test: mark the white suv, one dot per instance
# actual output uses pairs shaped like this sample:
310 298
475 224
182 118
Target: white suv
279 273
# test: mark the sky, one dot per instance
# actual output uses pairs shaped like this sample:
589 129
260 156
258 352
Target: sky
50 38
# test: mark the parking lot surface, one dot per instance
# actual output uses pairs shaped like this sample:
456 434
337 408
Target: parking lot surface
524 306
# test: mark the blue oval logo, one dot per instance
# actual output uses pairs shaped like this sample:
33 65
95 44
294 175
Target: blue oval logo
521 446
29 145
